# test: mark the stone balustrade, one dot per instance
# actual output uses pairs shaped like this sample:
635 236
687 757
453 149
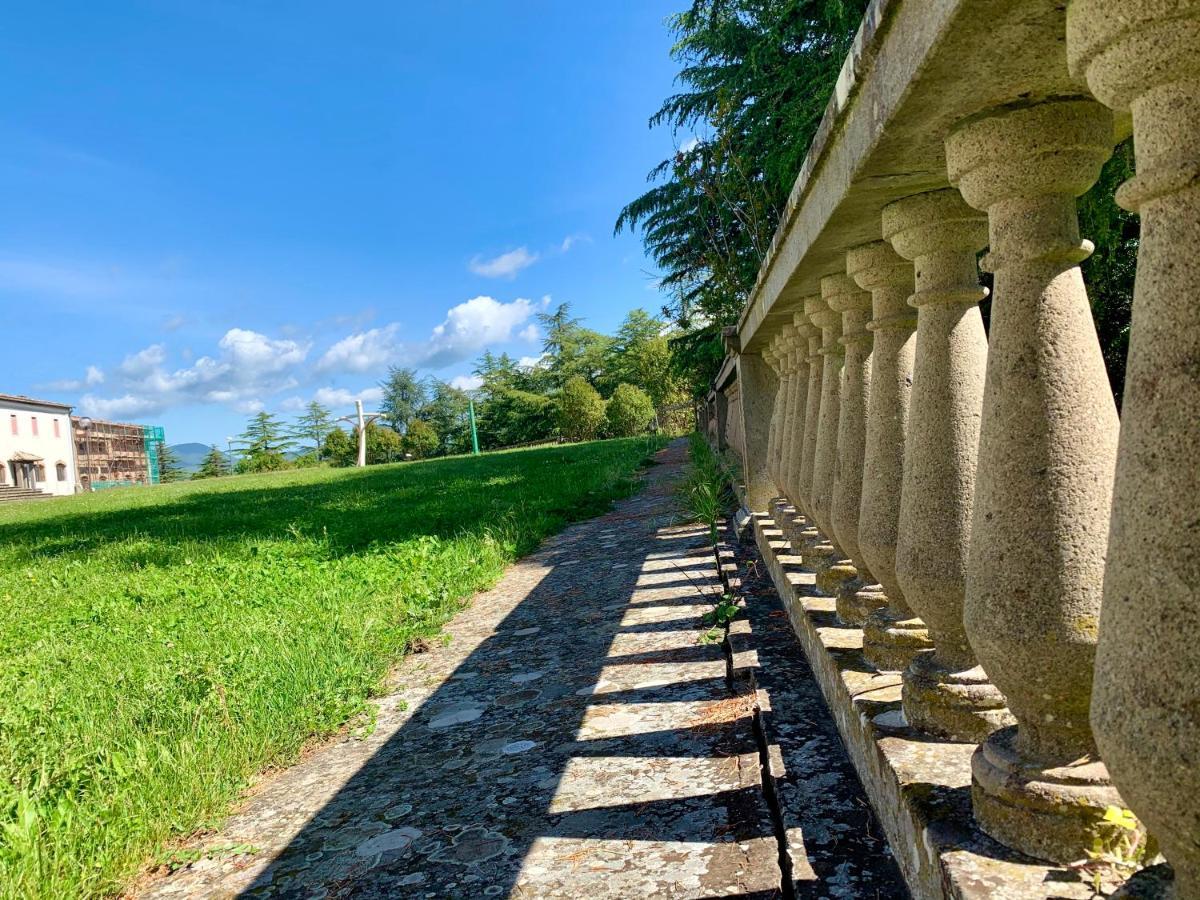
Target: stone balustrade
1026 562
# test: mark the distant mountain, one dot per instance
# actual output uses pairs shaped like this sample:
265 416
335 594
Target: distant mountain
190 455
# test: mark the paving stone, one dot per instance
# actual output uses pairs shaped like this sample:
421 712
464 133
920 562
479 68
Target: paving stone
572 739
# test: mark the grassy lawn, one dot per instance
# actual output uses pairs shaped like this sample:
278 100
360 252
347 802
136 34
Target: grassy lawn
160 646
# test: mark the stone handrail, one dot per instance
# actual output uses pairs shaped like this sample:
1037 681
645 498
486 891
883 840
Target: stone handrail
1030 561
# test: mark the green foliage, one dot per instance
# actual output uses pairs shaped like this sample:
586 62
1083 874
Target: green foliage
341 448
724 611
756 76
571 350
510 416
214 465
706 490
169 467
403 395
580 410
446 414
263 445
383 444
629 411
420 440
310 428
162 647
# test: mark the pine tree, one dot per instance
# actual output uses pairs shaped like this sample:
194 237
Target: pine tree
312 426
169 467
214 464
403 394
263 444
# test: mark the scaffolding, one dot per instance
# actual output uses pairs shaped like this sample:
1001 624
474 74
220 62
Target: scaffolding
116 454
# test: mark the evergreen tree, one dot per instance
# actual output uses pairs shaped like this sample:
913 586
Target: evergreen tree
169 467
263 444
403 394
580 410
311 427
214 465
446 414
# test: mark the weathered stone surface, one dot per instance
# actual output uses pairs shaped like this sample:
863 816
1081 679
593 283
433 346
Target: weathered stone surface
919 787
574 738
1047 452
1146 698
945 694
757 386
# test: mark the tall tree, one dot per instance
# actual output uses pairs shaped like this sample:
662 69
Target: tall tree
311 427
170 468
214 464
756 76
446 413
263 444
403 394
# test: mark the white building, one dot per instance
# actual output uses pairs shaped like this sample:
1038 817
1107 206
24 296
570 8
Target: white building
36 446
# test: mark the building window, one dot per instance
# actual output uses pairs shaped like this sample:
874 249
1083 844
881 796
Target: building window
33 425
39 473
61 468
12 423
56 434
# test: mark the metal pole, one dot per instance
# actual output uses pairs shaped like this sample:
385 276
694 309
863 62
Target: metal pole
474 433
362 435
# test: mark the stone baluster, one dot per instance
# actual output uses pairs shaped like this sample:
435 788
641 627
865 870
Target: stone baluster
826 557
892 634
1047 451
813 305
945 692
757 386
779 418
859 595
799 408
782 510
1146 696
788 413
771 358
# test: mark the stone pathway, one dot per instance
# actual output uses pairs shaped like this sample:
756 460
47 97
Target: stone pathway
574 738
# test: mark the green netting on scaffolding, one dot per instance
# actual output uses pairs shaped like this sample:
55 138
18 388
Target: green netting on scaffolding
152 437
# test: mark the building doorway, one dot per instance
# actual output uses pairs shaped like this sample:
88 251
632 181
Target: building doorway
25 470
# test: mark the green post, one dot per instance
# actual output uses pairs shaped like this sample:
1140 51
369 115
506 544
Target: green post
474 434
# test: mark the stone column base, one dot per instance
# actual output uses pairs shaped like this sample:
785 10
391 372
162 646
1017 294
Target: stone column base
857 599
960 706
836 574
1052 813
891 642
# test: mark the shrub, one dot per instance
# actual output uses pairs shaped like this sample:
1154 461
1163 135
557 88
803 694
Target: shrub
420 439
580 410
630 411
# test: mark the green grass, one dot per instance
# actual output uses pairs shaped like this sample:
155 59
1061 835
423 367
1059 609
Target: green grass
158 647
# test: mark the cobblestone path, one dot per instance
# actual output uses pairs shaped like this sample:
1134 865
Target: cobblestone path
574 738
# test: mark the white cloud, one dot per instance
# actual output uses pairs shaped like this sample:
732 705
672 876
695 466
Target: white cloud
473 325
466 382
506 265
467 329
336 398
248 367
689 145
530 333
531 362
364 351
571 240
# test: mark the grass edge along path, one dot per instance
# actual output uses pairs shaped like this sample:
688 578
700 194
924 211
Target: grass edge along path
161 647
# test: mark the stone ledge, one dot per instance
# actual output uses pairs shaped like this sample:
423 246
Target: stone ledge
918 786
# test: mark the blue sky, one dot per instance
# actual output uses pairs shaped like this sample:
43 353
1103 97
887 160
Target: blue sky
208 208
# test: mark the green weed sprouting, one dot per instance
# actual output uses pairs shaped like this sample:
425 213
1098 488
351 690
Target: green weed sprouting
706 491
159 647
